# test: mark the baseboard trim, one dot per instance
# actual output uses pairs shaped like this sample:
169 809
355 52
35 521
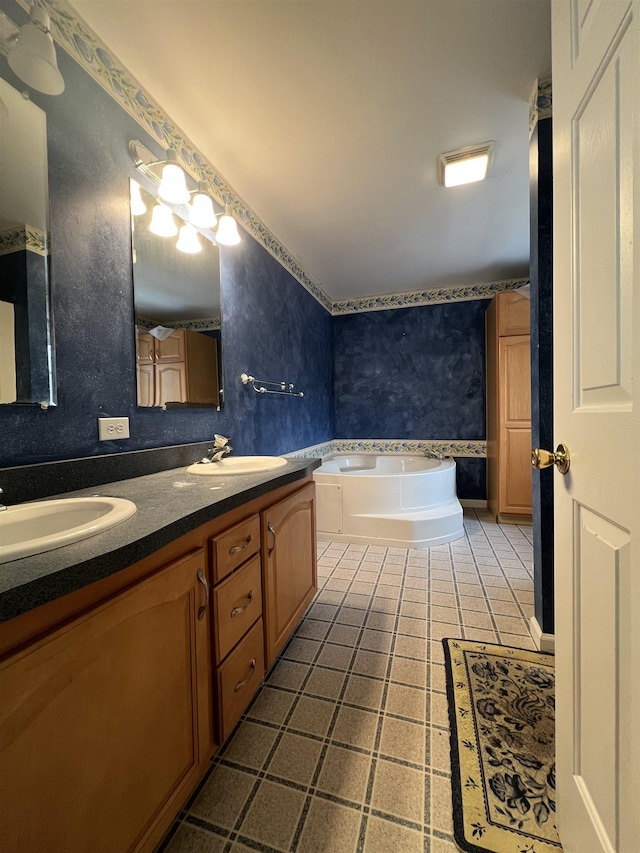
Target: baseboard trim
544 642
472 503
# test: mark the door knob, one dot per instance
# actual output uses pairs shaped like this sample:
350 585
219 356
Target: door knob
544 458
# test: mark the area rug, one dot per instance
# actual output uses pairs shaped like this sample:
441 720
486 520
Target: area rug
503 777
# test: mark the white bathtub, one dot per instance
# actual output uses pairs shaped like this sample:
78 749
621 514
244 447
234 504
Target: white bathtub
403 501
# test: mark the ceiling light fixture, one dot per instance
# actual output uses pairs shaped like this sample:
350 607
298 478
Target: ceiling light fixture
227 233
173 186
188 240
465 165
32 54
202 214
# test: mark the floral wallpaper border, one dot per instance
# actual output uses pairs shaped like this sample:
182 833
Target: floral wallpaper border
206 324
23 237
432 296
446 447
540 102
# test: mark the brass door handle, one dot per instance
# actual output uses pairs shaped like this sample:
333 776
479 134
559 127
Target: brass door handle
544 458
273 533
238 610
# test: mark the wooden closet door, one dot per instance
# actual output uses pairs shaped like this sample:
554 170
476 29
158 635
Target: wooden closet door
515 430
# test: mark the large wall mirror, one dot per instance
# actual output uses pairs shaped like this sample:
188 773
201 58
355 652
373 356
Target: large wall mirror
177 310
26 350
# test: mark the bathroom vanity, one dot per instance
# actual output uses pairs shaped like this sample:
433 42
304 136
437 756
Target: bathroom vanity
116 694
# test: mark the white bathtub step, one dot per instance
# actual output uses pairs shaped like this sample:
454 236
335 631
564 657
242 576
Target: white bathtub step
441 511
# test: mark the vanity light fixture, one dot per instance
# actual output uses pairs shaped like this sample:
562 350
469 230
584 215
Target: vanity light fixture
227 233
465 165
138 207
32 54
172 189
188 241
202 214
162 222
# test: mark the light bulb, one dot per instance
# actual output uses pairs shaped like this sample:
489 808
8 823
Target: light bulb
201 214
138 207
33 58
162 222
173 186
227 233
188 241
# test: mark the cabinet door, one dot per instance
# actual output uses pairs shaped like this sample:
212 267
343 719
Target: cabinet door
146 374
104 723
171 383
145 348
289 566
171 348
515 431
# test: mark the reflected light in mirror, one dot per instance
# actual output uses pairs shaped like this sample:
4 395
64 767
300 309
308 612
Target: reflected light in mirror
162 222
138 207
188 241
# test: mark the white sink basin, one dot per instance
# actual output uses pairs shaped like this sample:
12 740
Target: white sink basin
238 465
32 528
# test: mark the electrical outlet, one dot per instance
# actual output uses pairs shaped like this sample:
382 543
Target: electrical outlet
111 429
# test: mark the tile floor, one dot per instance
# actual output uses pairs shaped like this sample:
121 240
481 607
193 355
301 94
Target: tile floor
346 746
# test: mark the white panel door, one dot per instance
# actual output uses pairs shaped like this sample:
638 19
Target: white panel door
596 92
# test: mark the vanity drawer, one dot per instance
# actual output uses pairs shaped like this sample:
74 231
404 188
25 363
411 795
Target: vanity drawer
234 546
239 677
237 603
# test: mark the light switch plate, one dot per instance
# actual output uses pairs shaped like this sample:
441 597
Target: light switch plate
111 429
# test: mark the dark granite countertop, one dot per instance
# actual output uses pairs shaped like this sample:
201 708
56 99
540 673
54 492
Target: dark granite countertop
170 504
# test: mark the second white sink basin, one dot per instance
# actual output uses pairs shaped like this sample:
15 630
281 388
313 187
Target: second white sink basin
32 528
237 465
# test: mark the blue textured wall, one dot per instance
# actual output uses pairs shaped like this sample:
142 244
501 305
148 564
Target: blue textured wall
271 326
414 373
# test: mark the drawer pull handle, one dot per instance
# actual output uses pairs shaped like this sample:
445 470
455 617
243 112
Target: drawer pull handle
246 680
273 533
237 610
237 548
203 609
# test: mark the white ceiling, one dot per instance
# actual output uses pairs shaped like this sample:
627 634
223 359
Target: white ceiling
327 117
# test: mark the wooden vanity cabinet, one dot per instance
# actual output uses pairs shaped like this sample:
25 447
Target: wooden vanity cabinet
114 698
104 723
509 481
289 566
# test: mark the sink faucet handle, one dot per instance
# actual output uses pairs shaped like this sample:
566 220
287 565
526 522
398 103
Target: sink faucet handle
220 440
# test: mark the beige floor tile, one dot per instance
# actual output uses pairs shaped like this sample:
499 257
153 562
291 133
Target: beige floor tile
312 629
338 657
438 710
399 791
480 634
345 774
440 750
325 612
355 727
192 839
411 647
438 678
354 599
403 740
362 587
346 635
418 595
505 608
496 592
444 614
477 619
324 682
441 804
351 616
271 705
381 621
443 586
295 758
416 583
407 671
375 641
330 828
517 640
363 692
371 663
312 716
330 596
441 845
440 630
366 576
250 745
273 815
289 674
223 796
406 702
414 609
443 599
470 589
512 625
472 602
412 627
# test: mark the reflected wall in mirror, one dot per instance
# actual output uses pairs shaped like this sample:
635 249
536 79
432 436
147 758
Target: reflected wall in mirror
177 311
26 352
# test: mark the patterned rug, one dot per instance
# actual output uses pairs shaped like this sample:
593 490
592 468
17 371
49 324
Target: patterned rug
501 710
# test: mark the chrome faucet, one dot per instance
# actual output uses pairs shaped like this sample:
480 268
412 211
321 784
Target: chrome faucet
434 454
2 506
220 448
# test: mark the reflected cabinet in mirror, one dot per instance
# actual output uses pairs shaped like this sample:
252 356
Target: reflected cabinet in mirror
177 309
26 351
